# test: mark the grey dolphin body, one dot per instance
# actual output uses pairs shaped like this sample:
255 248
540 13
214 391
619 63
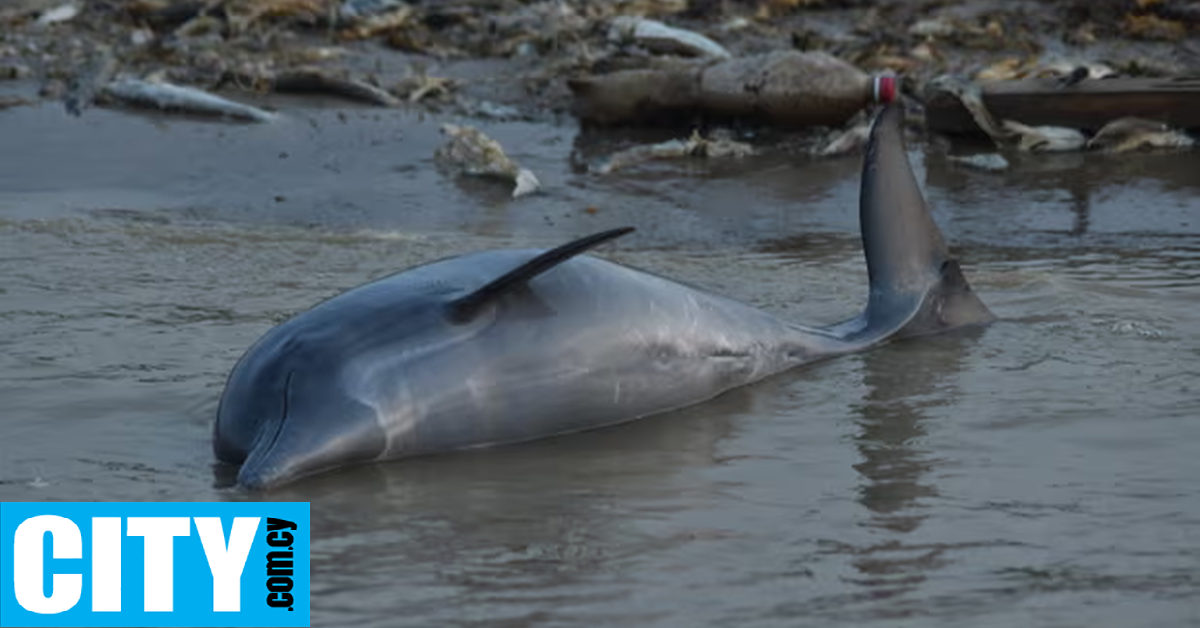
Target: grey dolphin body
446 356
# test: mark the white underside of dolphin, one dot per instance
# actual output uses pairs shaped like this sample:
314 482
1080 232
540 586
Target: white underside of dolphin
507 346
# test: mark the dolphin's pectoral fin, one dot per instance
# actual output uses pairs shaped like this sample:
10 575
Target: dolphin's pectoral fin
916 286
466 307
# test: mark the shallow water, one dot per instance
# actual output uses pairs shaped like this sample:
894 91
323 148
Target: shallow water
1039 472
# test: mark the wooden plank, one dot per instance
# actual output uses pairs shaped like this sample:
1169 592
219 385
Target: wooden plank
1085 105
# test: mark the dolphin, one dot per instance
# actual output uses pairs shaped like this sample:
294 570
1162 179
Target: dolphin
506 346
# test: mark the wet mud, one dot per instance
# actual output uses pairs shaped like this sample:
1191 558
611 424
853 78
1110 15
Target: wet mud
1039 472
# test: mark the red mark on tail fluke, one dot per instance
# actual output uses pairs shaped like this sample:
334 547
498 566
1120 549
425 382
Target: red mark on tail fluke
885 88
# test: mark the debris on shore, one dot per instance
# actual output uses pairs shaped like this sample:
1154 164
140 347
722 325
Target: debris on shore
969 96
83 88
694 146
1069 71
365 24
7 102
989 162
1133 134
419 86
784 88
1117 133
1082 104
662 39
472 153
61 13
1044 139
848 141
689 63
313 80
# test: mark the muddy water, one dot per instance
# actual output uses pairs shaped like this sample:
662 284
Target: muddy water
1040 472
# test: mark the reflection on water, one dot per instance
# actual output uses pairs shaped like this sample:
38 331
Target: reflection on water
504 530
902 383
1068 200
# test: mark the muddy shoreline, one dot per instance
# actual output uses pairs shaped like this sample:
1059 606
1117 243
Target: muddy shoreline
511 60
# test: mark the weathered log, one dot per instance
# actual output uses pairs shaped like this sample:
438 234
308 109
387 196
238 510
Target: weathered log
1084 105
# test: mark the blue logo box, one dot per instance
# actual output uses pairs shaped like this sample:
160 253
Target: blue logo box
154 564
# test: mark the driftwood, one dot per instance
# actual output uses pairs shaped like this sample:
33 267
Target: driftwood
1089 104
786 88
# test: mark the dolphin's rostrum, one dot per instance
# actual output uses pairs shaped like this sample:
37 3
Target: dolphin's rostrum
513 345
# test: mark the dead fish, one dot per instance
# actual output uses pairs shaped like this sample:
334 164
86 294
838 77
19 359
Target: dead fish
62 13
847 141
660 38
672 149
11 71
647 7
940 26
169 97
992 162
241 15
959 31
1153 28
83 87
971 97
354 9
1069 71
139 37
316 80
1004 70
476 154
721 148
1130 134
1074 78
202 26
694 146
1075 70
370 25
488 109
7 101
1044 139
21 10
421 86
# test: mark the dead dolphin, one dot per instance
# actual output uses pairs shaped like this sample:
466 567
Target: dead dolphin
459 354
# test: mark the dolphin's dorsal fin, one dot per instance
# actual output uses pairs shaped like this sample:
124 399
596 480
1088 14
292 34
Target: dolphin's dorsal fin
466 307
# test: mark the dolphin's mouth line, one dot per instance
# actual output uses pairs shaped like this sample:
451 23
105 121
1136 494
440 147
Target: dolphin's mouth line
263 447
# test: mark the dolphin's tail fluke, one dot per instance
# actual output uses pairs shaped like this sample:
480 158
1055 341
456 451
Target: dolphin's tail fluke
916 286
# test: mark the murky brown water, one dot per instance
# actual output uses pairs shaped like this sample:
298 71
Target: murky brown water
1040 472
